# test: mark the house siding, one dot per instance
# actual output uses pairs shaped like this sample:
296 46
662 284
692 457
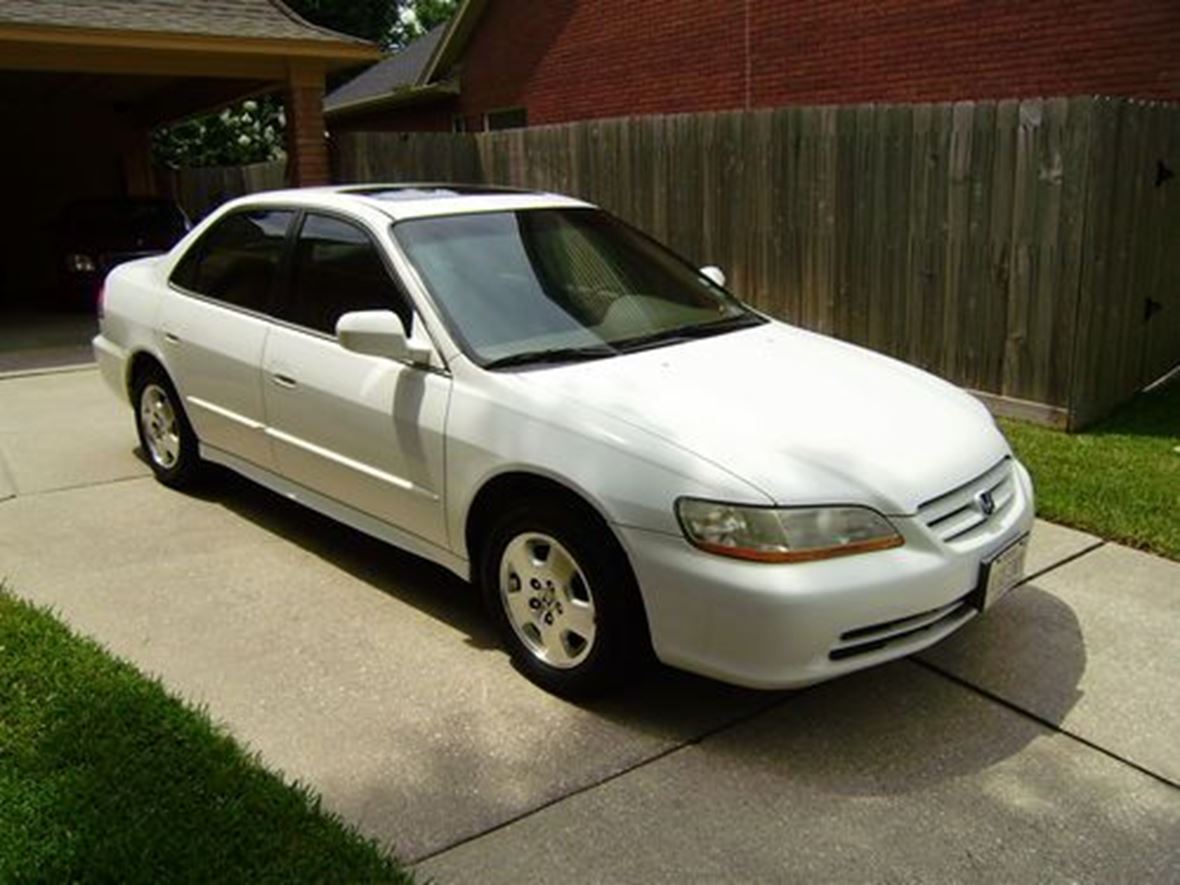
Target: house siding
565 60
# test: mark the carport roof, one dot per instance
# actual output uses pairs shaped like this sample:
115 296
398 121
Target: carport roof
264 19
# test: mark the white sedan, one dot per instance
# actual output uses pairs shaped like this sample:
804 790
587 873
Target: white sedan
622 456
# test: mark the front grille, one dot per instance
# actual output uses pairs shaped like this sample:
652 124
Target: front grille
956 514
875 637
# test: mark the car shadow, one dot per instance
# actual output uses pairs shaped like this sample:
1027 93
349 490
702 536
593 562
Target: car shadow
428 587
662 701
898 728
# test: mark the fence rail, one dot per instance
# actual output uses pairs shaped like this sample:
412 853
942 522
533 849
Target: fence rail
1014 247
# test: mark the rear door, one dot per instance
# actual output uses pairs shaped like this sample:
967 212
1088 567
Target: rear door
214 324
365 431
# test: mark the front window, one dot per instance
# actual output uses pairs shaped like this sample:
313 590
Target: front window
336 268
560 284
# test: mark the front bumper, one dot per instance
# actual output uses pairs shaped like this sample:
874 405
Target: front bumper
790 625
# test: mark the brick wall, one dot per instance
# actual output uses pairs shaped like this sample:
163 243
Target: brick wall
566 60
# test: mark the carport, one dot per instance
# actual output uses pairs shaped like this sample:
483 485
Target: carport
83 84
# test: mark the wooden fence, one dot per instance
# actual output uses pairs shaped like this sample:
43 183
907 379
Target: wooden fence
1029 250
201 190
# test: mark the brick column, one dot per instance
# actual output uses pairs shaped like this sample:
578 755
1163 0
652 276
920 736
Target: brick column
307 152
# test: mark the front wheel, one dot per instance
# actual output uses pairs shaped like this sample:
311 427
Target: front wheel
563 597
165 434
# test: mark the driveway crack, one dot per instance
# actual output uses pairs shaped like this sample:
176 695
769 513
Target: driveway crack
728 724
1047 723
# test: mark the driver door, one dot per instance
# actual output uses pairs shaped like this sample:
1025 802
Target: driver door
363 430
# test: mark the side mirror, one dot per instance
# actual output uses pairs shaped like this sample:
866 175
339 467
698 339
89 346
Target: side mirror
714 274
379 333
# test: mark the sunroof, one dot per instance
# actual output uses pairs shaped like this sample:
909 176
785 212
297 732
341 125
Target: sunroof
428 191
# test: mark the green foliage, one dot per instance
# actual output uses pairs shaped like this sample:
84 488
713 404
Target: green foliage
249 132
1120 479
416 17
391 23
106 778
368 19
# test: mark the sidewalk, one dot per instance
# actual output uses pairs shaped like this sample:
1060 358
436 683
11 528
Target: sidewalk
1037 743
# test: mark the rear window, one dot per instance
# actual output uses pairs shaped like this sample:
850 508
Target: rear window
237 260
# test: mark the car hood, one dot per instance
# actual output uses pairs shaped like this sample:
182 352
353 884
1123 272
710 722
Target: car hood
802 417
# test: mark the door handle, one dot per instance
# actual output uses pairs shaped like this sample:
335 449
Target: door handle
171 338
283 381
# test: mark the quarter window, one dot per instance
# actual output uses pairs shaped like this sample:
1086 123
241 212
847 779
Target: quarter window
338 269
237 260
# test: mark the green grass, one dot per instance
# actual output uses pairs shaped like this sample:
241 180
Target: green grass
1120 479
105 777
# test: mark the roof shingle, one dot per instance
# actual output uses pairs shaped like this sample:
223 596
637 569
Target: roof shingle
395 72
263 19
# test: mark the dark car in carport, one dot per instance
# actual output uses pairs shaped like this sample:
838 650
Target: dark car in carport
94 235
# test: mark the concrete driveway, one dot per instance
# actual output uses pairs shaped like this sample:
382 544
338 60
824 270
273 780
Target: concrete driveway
1039 743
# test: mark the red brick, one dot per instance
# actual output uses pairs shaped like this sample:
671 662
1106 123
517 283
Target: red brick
567 60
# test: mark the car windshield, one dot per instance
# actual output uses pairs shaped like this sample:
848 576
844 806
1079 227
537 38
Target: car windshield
556 285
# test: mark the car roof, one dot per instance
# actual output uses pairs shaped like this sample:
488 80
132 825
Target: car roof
416 199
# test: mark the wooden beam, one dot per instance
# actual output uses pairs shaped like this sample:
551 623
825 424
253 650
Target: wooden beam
151 62
187 98
67 41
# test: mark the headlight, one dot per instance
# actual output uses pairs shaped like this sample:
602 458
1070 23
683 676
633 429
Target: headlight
770 534
80 263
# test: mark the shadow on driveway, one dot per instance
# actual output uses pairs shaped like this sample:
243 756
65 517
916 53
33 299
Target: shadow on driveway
881 735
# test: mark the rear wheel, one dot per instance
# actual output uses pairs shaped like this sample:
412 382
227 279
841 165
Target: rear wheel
563 597
165 434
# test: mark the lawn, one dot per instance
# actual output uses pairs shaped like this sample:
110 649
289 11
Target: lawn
106 777
1120 479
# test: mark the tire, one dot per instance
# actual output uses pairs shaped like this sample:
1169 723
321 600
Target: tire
564 600
165 435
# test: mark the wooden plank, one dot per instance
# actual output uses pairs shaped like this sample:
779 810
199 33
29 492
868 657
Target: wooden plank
934 342
1162 347
974 276
846 211
1017 366
953 300
876 267
1091 323
918 252
1075 172
899 204
1163 351
1045 247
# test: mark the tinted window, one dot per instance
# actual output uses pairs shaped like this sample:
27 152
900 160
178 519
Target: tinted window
337 269
237 260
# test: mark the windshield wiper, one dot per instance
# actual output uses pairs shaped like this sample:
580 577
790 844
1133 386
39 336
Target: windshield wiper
688 333
553 355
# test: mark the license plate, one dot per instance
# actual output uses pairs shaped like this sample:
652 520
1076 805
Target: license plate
1003 572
